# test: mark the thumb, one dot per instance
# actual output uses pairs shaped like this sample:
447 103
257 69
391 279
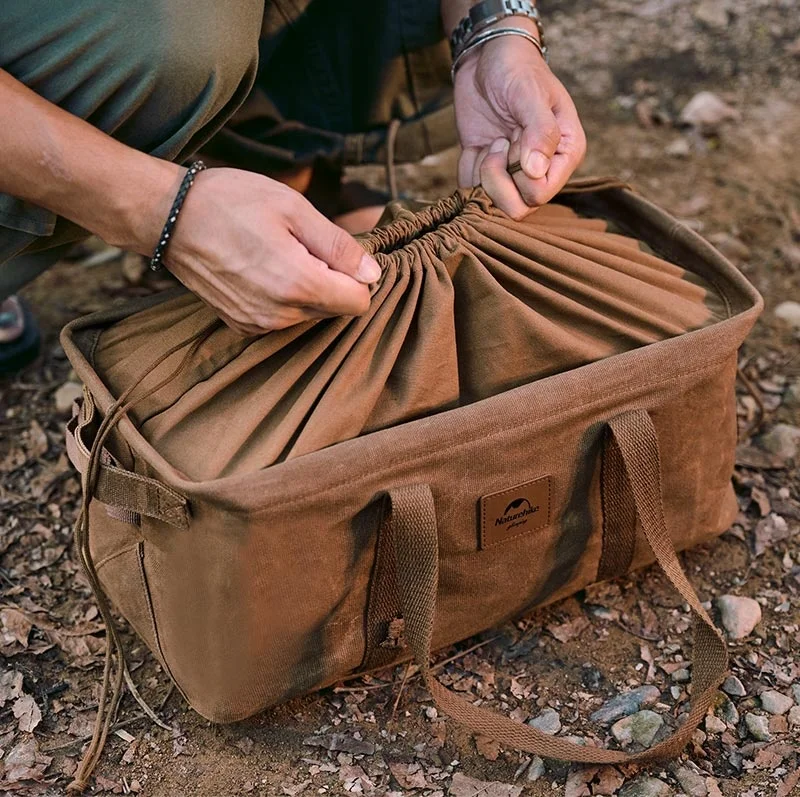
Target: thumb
540 132
331 244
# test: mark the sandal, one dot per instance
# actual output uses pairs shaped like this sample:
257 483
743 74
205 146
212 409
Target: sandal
19 336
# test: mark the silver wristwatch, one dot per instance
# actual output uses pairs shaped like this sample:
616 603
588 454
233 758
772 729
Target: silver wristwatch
486 13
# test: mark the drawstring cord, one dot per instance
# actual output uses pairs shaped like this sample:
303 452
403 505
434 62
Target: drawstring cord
391 168
107 709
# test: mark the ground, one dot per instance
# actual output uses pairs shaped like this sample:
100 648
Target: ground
631 67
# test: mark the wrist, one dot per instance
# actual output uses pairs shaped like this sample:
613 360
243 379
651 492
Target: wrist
139 201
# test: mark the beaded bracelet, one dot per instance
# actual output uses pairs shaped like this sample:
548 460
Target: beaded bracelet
172 218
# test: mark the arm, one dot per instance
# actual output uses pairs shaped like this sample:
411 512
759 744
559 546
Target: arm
253 249
511 107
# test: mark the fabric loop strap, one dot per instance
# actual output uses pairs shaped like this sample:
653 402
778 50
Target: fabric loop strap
120 488
417 560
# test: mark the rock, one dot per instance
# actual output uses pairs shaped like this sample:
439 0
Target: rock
65 396
715 725
757 727
646 787
733 687
794 715
713 13
791 398
726 711
536 769
782 440
640 728
547 722
679 148
739 615
730 246
625 704
693 784
796 693
681 676
789 312
774 702
706 111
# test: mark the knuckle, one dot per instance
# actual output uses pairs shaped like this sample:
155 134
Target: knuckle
339 245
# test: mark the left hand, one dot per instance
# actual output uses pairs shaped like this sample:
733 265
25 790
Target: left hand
510 107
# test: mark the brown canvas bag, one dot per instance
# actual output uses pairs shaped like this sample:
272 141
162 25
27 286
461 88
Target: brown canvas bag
527 407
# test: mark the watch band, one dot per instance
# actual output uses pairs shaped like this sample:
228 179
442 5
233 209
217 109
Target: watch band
486 13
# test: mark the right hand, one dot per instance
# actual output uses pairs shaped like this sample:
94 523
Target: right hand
263 257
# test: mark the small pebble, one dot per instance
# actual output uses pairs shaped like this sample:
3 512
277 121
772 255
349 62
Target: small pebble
758 727
646 787
739 615
536 769
783 440
715 724
796 693
675 691
789 312
640 728
625 704
794 715
681 676
734 687
774 702
547 722
65 396
693 784
726 711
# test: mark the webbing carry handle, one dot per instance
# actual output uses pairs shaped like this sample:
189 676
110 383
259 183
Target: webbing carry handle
633 448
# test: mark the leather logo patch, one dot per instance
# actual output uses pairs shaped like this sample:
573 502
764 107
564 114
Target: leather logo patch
514 512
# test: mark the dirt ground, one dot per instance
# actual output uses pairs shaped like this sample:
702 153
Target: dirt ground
632 67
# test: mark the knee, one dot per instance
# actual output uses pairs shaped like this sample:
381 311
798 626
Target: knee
191 64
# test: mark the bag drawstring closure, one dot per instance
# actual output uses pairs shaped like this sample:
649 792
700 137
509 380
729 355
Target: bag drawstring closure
107 706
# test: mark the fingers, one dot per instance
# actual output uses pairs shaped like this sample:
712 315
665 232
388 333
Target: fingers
331 244
498 183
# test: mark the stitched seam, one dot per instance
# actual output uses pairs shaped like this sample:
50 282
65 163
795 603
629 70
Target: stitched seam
114 555
256 512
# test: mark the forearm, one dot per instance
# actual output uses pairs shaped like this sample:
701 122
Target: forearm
57 161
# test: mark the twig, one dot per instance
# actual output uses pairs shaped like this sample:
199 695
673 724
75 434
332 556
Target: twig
434 667
82 739
756 394
638 634
400 693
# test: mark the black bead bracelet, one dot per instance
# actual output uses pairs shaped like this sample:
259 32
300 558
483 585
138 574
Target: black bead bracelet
172 218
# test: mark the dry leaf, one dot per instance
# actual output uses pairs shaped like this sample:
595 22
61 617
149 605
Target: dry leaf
408 776
569 630
462 786
15 627
487 747
10 686
27 713
24 762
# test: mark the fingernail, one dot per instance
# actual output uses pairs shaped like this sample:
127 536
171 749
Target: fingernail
536 165
368 270
500 145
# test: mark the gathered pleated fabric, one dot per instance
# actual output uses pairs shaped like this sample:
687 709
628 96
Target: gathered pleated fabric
470 303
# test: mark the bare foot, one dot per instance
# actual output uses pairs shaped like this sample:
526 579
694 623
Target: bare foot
11 320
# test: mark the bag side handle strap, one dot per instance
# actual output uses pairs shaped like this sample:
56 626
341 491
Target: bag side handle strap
417 561
121 488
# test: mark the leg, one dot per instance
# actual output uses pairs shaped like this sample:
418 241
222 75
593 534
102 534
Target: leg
161 75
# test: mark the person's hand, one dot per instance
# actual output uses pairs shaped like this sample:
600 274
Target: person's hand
510 107
263 257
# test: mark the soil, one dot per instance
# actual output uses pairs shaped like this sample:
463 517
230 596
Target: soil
631 67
